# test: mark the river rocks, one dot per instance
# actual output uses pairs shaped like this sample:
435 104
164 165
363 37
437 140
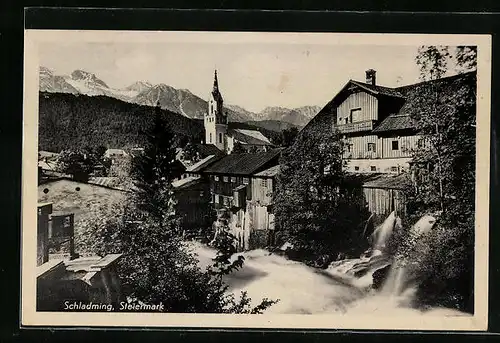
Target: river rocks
379 276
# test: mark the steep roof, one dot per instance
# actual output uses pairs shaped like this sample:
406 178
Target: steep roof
185 183
203 163
389 181
207 149
395 122
381 180
273 171
376 89
243 164
253 137
420 96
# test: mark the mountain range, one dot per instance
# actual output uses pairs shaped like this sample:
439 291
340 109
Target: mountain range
180 101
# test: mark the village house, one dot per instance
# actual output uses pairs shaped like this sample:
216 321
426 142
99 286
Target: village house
204 154
241 188
66 280
115 153
228 182
380 134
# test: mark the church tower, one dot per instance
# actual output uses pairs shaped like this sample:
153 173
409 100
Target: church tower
215 118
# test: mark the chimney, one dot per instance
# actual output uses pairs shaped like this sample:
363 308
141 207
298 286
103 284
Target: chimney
370 77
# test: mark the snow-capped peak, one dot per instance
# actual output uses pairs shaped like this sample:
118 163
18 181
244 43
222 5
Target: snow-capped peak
89 78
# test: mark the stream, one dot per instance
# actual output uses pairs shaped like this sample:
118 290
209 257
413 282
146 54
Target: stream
344 287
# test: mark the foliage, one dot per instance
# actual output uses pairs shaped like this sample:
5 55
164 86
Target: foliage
68 121
436 61
78 163
445 179
190 152
156 265
316 208
238 148
155 169
466 58
253 149
224 264
287 136
121 168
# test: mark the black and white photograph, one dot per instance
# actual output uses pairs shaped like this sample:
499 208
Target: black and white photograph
267 180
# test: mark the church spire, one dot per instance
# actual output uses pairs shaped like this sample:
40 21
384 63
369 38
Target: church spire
216 82
215 91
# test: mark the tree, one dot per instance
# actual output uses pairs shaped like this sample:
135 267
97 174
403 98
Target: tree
316 209
288 136
238 148
466 57
156 265
445 169
78 163
191 152
154 171
253 149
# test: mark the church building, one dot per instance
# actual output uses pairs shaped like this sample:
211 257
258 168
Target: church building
218 134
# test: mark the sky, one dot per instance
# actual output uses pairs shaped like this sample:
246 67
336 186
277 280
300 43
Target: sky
251 74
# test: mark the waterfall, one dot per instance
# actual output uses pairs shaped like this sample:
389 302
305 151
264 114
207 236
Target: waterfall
383 232
398 276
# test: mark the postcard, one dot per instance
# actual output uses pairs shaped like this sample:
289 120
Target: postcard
234 180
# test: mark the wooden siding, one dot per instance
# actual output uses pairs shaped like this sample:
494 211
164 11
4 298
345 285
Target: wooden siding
405 145
262 190
366 102
359 126
359 147
225 185
383 147
382 202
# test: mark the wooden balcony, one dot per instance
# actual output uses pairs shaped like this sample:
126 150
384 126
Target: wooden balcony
366 125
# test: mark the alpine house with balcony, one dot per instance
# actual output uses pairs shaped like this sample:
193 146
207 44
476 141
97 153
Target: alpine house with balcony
377 122
379 131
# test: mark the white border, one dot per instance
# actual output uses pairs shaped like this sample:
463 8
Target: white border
30 317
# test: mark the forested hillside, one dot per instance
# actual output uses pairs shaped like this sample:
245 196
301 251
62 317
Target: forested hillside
68 121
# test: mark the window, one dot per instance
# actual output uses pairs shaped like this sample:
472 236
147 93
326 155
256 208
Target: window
395 145
216 198
226 179
356 168
349 147
220 137
263 183
246 181
394 169
210 139
233 179
371 147
216 178
355 115
373 168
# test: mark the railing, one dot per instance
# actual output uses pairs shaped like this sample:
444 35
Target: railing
366 125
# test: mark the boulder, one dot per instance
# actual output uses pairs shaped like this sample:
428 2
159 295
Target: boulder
379 276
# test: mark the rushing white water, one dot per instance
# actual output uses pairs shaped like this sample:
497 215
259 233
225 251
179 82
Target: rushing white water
382 233
344 287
